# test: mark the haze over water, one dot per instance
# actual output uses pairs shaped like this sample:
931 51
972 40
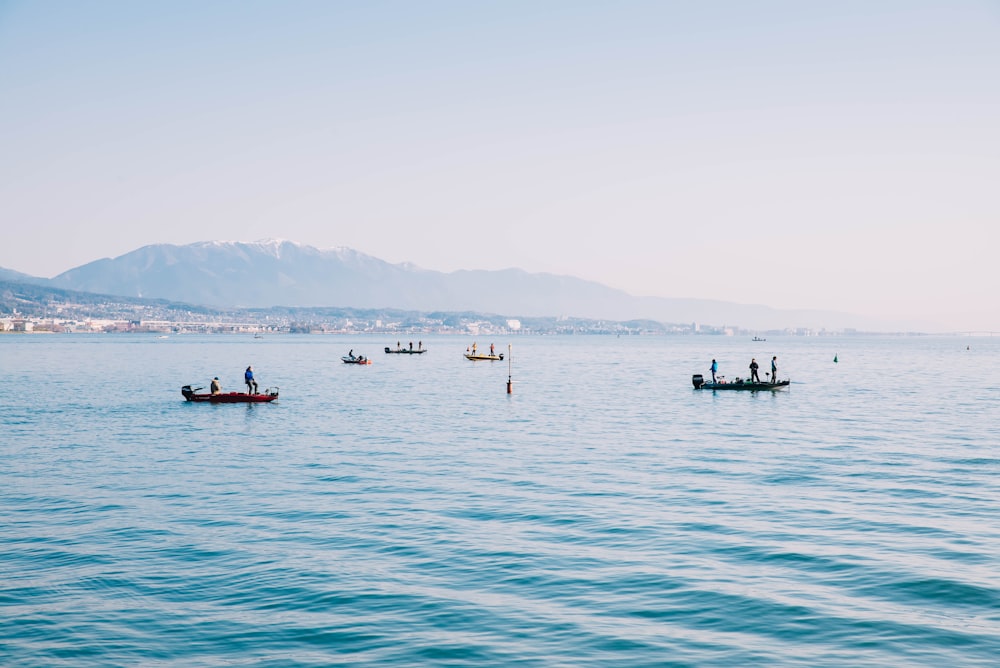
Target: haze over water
413 513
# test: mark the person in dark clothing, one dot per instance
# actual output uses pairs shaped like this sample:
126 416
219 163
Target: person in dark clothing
754 376
774 369
248 379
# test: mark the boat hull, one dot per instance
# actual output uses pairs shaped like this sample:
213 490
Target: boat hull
356 360
752 387
228 397
477 358
748 386
405 351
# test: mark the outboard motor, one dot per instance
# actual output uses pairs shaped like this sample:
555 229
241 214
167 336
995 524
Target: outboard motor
697 380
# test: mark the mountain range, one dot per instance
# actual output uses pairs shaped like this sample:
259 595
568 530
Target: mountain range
284 273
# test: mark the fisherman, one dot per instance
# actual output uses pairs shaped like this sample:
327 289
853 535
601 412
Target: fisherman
715 368
774 369
473 348
248 379
216 386
492 354
351 353
754 376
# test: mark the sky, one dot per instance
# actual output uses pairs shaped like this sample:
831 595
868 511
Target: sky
838 156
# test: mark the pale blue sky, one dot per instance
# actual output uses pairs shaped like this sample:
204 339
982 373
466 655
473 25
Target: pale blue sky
851 149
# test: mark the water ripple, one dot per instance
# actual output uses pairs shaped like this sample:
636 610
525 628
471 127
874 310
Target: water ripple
412 513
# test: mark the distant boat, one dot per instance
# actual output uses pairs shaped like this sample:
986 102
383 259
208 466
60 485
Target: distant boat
228 397
758 339
258 336
351 359
405 351
739 384
480 356
163 336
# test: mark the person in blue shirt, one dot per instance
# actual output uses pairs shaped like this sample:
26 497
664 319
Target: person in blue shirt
715 367
251 383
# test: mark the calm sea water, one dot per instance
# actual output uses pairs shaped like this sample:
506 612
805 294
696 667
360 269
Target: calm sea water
413 513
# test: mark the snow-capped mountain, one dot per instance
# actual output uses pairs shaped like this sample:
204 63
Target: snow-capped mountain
266 273
284 273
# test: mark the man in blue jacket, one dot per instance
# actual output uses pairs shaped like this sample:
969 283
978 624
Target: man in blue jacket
251 383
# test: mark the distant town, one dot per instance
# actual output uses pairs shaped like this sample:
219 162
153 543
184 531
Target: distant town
33 309
383 323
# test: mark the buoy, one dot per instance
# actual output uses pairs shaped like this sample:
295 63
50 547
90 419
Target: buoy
510 385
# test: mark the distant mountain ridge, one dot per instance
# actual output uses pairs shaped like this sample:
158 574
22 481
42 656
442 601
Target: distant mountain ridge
284 273
11 275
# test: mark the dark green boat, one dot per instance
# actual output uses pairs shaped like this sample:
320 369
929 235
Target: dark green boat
739 384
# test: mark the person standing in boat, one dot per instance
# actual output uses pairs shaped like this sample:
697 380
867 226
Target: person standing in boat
473 347
774 369
754 376
248 379
216 386
714 369
492 353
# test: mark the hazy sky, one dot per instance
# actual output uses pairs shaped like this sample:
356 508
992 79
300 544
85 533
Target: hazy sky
838 155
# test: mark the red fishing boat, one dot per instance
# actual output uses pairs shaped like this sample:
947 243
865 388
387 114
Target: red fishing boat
192 394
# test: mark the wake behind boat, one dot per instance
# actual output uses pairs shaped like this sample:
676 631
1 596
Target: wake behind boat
192 394
739 384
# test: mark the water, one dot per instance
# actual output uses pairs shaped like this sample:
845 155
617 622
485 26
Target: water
413 513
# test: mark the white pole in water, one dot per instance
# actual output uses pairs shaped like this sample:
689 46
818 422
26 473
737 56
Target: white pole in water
510 387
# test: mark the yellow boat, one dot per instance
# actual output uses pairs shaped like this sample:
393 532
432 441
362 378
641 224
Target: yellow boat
480 356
